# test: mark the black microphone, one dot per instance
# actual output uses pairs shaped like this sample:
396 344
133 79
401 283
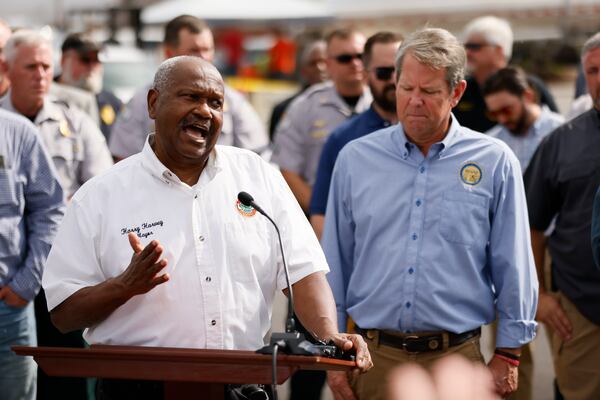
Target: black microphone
247 200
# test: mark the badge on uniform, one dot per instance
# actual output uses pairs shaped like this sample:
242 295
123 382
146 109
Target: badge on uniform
64 129
470 173
107 114
246 211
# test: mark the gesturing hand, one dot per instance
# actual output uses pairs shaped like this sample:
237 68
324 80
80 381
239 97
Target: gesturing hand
142 274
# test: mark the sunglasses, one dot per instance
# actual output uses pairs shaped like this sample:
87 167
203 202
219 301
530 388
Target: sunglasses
384 73
506 112
475 46
347 58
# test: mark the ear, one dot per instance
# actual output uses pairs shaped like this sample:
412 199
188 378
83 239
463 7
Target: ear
152 99
458 91
530 96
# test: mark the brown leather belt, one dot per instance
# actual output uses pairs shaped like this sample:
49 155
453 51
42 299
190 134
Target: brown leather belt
419 342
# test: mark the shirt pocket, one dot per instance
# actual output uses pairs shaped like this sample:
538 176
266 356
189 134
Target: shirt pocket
464 218
11 212
249 251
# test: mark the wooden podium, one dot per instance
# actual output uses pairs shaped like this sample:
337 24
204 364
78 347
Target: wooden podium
187 373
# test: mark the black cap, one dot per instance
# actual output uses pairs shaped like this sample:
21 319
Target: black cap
81 44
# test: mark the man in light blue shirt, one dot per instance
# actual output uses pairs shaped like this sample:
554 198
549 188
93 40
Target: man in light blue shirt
522 122
31 206
426 231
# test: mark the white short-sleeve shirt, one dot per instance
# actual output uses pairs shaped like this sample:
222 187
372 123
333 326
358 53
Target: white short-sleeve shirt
223 259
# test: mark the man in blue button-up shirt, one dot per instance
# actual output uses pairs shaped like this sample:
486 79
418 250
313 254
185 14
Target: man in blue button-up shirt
31 206
426 231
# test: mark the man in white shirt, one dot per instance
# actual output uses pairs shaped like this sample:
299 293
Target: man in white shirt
158 251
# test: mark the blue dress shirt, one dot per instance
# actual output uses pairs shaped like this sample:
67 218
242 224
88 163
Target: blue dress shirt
431 243
31 205
358 126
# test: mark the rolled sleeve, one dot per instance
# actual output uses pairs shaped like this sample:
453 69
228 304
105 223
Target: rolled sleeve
511 259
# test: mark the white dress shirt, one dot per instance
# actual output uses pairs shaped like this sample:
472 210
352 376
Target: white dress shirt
224 261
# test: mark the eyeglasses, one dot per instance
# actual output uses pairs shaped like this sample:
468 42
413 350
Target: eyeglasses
475 46
384 73
347 58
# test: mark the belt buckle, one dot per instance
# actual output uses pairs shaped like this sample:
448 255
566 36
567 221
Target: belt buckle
406 343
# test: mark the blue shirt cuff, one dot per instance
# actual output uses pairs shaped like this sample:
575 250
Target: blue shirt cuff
513 334
342 321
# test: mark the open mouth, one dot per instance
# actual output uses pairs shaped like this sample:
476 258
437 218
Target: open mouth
197 131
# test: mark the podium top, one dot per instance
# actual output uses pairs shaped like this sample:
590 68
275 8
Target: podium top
173 364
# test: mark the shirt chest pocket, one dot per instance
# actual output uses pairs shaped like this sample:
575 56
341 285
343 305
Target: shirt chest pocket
249 251
464 218
66 150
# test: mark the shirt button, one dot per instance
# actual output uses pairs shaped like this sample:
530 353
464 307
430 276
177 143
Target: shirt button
411 270
407 305
414 236
418 203
208 279
201 238
422 169
195 196
213 322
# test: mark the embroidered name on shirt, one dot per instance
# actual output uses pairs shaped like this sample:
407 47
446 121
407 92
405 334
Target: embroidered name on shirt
143 230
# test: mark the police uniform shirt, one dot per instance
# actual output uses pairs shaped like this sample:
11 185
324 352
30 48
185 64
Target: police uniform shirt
223 258
242 126
561 181
109 107
306 125
73 140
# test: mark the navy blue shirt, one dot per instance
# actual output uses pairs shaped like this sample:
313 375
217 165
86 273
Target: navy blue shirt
357 126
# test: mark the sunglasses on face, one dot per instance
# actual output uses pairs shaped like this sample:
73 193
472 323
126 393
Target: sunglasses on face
506 112
347 58
383 73
475 46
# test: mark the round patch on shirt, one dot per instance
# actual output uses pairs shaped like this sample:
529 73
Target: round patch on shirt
470 174
246 211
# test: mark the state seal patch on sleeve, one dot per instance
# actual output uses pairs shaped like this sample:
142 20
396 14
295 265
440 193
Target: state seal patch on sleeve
470 173
246 211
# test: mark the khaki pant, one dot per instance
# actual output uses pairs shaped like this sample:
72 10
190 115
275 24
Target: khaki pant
577 361
372 385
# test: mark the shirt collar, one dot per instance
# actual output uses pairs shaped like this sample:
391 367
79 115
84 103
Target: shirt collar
374 119
49 111
405 146
159 170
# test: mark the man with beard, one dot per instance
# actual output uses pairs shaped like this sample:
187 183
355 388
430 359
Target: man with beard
179 245
489 45
561 181
522 122
380 51
310 118
82 68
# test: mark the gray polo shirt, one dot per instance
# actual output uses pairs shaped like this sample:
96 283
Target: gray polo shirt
307 123
242 126
73 141
561 182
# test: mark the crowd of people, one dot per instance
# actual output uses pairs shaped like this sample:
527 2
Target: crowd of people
425 187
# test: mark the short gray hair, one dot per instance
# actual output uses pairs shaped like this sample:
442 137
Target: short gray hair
24 38
591 44
437 48
496 31
162 77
